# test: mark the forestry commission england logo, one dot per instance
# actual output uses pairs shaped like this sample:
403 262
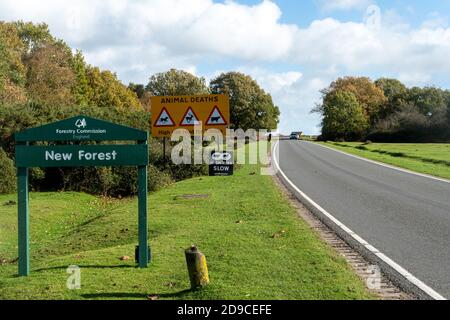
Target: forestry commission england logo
81 123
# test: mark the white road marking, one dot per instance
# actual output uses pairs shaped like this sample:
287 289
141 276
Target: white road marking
406 274
383 164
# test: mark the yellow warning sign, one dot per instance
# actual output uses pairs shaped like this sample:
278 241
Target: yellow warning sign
174 112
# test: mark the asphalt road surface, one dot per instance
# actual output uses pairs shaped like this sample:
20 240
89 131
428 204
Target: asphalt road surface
405 216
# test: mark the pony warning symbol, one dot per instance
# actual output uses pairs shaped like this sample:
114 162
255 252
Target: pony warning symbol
164 119
209 111
215 117
189 119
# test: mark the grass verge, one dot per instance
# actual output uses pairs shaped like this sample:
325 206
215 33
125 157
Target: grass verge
433 159
256 246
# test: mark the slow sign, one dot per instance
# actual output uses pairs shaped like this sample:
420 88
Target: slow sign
221 164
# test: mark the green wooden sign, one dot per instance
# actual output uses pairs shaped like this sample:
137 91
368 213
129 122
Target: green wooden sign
76 129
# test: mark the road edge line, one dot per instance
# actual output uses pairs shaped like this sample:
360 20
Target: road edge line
386 165
393 271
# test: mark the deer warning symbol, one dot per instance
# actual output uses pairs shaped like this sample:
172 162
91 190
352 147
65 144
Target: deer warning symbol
189 118
164 119
216 118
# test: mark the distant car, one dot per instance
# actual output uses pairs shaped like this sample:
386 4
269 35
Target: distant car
294 136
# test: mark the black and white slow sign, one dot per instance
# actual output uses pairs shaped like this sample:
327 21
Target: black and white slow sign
221 164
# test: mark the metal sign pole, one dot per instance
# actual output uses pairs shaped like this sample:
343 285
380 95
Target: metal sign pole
23 221
144 257
164 151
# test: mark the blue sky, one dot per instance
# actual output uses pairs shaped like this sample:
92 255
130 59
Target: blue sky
292 48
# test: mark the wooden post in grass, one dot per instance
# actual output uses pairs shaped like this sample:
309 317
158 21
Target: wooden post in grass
197 267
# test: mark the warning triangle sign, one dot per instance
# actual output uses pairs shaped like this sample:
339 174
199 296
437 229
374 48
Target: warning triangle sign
216 118
189 118
164 119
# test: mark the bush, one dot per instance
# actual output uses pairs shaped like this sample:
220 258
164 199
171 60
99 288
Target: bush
8 174
158 179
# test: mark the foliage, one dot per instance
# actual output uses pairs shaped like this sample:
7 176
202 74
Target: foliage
370 97
82 91
176 82
108 92
8 174
250 106
143 96
36 67
33 35
50 78
344 117
12 70
396 94
398 114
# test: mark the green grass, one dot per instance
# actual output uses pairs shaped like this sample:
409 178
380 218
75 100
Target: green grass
233 227
433 159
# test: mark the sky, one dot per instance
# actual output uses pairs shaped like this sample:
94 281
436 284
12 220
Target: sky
292 48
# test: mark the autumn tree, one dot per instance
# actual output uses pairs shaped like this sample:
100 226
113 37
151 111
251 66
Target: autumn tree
343 117
82 91
250 106
12 70
176 82
109 92
369 96
50 78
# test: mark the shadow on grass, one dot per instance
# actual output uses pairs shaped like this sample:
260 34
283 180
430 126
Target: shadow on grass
109 295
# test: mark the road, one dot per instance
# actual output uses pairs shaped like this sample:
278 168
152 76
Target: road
405 216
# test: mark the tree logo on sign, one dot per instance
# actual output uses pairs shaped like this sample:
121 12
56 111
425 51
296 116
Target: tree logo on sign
81 123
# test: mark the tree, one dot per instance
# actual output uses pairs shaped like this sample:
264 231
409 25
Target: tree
343 117
12 70
82 91
7 178
139 89
109 92
176 82
396 94
370 97
144 96
50 79
33 35
429 100
250 106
